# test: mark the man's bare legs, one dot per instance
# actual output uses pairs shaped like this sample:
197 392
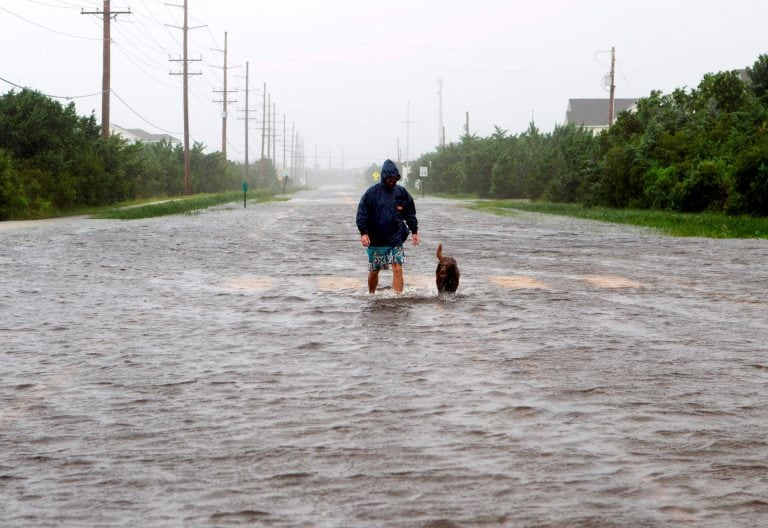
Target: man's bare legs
397 279
373 281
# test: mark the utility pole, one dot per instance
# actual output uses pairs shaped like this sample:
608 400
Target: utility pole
613 86
263 126
293 142
466 126
225 101
107 14
406 167
441 128
247 65
407 130
185 73
269 126
300 153
284 147
246 118
274 134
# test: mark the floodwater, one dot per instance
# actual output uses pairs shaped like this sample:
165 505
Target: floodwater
228 368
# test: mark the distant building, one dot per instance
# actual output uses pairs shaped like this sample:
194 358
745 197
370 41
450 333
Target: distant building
744 76
592 114
135 135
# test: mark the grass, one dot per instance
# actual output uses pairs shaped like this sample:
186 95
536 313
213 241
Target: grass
451 196
709 225
181 205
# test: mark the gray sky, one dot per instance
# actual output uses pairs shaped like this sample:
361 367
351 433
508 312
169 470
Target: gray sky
351 73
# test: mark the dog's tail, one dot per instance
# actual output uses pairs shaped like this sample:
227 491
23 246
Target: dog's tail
439 252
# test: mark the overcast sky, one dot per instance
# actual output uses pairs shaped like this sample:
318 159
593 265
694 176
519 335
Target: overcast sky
361 77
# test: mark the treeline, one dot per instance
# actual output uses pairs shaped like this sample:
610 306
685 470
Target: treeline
691 150
52 160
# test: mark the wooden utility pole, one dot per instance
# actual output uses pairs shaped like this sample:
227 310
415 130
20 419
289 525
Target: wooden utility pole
298 163
269 126
224 105
247 64
225 101
274 135
185 60
187 159
247 120
263 117
263 126
407 122
107 15
441 128
293 141
613 86
407 130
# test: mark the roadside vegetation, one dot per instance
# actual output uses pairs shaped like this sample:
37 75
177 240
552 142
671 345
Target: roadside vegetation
701 150
53 161
184 205
710 225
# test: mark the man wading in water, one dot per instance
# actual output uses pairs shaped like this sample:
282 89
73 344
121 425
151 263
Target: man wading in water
385 215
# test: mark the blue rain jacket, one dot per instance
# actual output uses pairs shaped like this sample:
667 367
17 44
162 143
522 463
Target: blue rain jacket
386 215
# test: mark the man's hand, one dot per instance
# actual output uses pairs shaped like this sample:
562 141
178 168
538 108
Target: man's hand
415 239
365 241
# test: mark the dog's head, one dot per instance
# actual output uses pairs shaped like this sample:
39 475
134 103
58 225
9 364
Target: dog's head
447 273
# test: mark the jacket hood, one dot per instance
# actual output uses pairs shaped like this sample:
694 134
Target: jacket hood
389 169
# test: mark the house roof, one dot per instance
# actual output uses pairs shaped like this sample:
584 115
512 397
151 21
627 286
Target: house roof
744 76
137 134
594 112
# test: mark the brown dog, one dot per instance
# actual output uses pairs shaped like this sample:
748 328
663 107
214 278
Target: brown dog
447 273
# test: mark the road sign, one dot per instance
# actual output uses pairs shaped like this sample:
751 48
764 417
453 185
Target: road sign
245 186
376 176
422 172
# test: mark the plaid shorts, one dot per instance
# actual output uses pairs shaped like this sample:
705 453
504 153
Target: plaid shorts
380 257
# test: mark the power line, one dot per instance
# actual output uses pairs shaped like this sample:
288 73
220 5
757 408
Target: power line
431 68
49 95
411 46
47 28
176 41
133 60
65 6
142 117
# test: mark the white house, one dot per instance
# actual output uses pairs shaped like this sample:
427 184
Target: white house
592 114
134 135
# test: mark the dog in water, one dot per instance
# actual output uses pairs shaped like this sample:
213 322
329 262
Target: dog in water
447 273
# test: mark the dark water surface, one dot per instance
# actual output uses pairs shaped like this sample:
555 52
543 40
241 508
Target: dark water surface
228 368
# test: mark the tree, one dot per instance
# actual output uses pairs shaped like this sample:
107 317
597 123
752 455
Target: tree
725 90
13 200
758 75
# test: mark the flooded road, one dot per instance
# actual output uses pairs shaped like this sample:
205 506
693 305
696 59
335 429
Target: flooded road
229 369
